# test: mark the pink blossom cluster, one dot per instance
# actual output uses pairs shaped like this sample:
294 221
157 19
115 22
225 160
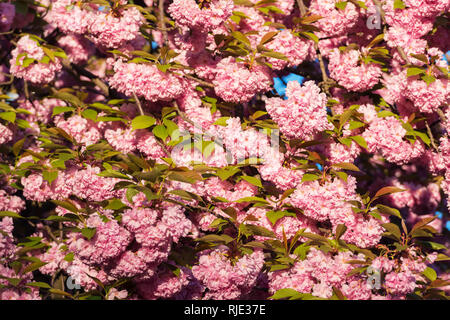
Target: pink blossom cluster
318 273
146 81
114 30
296 50
350 72
210 16
37 72
304 112
386 135
235 82
150 150
334 21
225 280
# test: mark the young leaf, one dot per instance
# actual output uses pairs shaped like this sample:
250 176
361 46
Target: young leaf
88 232
387 190
253 180
142 122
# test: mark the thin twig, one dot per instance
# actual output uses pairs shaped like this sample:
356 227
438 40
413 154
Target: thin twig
50 233
138 102
11 79
326 81
321 63
200 81
431 136
441 115
163 146
73 68
25 88
161 22
403 54
302 8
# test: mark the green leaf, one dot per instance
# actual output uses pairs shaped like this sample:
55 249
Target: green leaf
268 37
274 216
60 292
253 230
10 214
414 71
430 274
433 245
222 121
50 175
252 199
216 238
284 293
241 37
353 124
49 53
442 257
186 195
310 177
301 251
314 236
218 223
387 190
429 79
253 180
115 204
421 57
69 257
27 61
18 146
393 229
89 114
338 293
388 210
359 140
60 53
342 175
423 136
258 114
340 230
346 166
66 205
142 122
9 116
225 173
130 193
33 266
386 113
185 176
275 55
399 4
311 36
172 129
88 232
162 67
39 285
160 132
423 223
341 5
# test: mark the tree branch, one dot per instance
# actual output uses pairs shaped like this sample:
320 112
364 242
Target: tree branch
161 22
302 8
431 136
138 102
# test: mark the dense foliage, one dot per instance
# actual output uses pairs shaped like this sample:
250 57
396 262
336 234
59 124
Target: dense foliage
220 149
